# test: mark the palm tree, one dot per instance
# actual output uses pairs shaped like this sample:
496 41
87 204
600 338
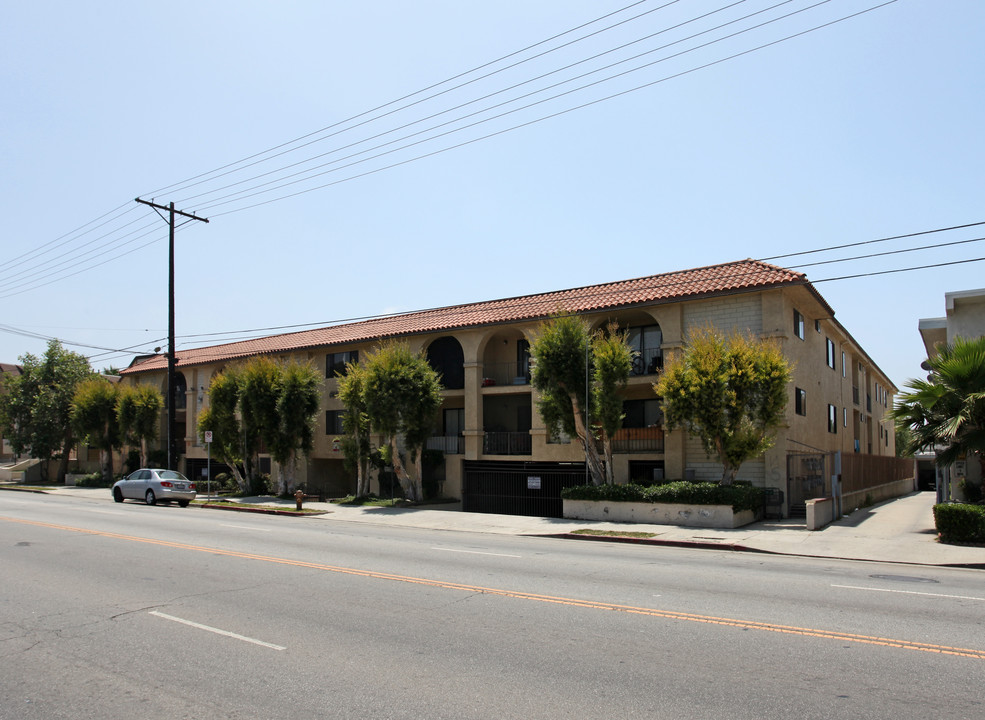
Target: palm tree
946 412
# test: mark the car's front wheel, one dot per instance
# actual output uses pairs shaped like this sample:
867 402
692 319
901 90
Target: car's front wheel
149 497
117 495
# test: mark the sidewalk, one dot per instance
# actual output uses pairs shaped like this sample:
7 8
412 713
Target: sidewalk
900 530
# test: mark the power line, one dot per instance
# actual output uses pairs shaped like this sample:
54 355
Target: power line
242 195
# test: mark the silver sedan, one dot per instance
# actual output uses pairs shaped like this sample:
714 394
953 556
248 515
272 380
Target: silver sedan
153 485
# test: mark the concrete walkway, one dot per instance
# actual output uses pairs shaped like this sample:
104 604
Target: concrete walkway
900 530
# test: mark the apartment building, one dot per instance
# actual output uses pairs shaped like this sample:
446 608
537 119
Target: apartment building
489 431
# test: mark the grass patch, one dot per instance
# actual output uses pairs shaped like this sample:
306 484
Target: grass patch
258 506
370 501
615 533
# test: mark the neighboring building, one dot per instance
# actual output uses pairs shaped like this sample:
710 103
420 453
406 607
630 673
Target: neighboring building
965 319
6 450
489 429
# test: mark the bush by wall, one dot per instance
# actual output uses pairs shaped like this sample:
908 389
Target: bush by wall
739 497
957 522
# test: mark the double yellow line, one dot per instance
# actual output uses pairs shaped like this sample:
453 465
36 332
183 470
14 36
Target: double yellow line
571 602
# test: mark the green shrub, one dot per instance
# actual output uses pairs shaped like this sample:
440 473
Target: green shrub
972 492
959 522
93 480
739 497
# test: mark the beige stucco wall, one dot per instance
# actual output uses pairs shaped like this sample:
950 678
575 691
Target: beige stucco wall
767 314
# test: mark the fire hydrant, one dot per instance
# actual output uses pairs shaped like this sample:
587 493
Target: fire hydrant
299 496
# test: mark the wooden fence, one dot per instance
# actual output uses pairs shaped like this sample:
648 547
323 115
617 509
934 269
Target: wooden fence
864 472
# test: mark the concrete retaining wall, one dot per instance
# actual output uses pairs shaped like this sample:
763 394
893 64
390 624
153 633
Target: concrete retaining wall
878 493
704 516
820 512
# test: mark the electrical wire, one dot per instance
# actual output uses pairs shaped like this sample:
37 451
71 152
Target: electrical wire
293 194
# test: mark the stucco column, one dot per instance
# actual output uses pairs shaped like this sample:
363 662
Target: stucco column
473 410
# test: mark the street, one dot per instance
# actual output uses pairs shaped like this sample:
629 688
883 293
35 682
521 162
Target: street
129 611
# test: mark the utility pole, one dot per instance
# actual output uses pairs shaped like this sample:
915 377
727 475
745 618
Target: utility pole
172 460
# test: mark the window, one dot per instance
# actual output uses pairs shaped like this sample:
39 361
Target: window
641 413
832 419
335 362
333 422
800 401
844 412
830 352
817 326
645 341
454 421
798 324
844 365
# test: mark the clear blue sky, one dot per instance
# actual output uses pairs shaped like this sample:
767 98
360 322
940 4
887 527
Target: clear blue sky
868 128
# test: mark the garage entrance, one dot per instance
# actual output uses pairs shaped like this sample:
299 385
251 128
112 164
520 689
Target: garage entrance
518 488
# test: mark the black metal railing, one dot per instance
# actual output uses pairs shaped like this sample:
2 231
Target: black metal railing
648 362
506 443
508 373
638 440
448 444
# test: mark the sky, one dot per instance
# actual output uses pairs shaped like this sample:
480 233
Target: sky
355 159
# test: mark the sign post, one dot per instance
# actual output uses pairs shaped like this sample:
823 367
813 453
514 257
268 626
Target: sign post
208 476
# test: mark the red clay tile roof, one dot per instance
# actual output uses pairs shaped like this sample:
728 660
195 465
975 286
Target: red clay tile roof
740 276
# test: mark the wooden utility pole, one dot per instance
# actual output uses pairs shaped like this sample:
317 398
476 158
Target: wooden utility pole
172 459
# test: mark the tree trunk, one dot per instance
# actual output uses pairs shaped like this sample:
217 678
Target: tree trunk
408 484
607 447
591 452
63 462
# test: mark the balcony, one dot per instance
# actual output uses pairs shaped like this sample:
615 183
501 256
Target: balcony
638 440
448 444
649 361
507 373
506 443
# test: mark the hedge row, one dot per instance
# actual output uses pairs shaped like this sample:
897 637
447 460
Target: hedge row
739 497
959 523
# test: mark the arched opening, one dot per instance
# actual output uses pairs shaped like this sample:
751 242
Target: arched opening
446 356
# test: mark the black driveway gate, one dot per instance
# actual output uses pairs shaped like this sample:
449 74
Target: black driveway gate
518 488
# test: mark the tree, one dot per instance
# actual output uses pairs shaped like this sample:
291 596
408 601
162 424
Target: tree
257 408
138 414
946 412
612 364
263 404
220 418
93 417
402 394
356 445
579 373
36 408
298 402
730 392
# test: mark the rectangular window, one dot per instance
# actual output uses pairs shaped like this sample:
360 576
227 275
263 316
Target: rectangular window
832 419
830 352
800 401
817 326
642 413
844 365
335 362
333 422
798 324
454 422
844 412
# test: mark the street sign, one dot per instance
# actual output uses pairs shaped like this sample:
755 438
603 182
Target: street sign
208 436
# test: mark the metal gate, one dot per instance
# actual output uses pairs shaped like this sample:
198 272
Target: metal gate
518 488
806 479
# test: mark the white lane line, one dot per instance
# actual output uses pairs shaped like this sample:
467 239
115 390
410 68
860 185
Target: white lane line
245 527
909 592
476 552
217 631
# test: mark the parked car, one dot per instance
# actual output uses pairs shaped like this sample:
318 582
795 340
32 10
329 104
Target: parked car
154 485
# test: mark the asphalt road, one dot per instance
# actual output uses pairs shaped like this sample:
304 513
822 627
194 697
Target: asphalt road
128 611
